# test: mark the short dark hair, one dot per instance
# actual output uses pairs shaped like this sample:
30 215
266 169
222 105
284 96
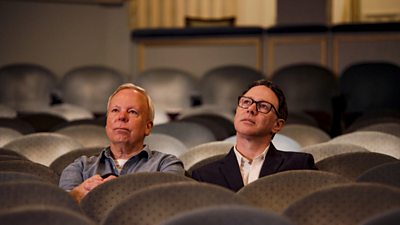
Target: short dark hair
282 107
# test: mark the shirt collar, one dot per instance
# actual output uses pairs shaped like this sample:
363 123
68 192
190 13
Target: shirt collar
240 158
144 153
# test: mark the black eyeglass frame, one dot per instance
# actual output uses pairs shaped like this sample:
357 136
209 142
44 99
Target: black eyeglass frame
258 105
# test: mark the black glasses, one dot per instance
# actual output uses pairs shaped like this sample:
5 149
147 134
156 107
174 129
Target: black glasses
262 106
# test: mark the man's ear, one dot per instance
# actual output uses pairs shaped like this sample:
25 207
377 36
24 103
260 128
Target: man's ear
149 126
279 123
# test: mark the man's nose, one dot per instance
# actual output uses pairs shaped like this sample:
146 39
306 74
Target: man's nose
252 108
123 116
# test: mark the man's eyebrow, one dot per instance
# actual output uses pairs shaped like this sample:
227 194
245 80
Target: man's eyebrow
261 100
114 106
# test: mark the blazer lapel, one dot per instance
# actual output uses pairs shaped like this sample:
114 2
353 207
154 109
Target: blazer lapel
272 162
231 171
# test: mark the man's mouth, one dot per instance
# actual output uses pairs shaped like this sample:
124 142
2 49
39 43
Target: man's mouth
246 120
122 129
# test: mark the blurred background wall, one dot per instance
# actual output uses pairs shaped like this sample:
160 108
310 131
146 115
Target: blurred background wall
62 34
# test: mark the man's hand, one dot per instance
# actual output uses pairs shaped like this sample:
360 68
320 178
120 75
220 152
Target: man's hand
80 191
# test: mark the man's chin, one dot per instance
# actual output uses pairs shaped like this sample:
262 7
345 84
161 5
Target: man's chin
120 140
251 133
245 129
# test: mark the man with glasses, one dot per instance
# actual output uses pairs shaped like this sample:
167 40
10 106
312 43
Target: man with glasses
260 114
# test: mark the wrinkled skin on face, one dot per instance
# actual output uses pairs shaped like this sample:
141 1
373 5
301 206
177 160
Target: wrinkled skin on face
128 119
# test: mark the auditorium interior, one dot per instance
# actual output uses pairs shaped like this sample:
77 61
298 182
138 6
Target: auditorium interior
337 62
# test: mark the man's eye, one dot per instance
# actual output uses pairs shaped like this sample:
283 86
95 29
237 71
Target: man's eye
133 112
114 110
246 101
264 106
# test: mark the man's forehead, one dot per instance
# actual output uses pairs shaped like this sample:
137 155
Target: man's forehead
261 92
128 92
136 96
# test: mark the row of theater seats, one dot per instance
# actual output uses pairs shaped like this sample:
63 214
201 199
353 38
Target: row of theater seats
293 197
319 102
339 193
332 101
348 154
199 131
190 131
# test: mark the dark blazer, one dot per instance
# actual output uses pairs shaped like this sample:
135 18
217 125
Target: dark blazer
226 172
